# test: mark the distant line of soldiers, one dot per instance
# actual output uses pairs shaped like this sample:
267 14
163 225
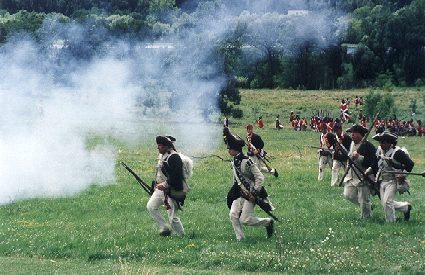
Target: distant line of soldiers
400 127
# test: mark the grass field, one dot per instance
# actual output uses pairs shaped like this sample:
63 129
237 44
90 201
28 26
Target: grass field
108 230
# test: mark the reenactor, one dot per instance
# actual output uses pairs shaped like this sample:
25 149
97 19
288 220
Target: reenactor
247 190
339 157
392 159
291 116
169 176
256 151
325 153
277 123
260 122
357 188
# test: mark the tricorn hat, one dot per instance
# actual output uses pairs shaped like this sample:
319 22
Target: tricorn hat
232 141
165 140
386 136
356 128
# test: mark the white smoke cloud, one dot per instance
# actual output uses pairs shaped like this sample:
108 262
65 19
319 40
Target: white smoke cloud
55 93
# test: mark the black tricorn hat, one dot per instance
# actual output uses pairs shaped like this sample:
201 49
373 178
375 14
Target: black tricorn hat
232 141
165 140
356 128
386 136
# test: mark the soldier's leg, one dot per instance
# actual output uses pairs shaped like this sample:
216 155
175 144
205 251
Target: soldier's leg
336 165
234 214
322 166
153 205
351 193
175 222
387 192
401 206
364 201
247 217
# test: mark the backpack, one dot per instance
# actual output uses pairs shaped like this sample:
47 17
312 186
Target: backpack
403 185
187 166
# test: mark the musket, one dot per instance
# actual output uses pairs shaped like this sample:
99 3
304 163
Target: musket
260 202
352 164
406 173
144 185
209 156
262 158
324 149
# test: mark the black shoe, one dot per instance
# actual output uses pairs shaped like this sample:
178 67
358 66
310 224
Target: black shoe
275 173
407 213
270 229
165 233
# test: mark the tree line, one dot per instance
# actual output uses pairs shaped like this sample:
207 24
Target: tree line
383 43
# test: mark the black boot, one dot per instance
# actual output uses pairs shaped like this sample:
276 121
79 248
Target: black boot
407 213
270 229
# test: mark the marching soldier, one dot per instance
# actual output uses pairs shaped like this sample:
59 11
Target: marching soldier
169 176
325 153
277 123
248 184
392 158
339 158
260 122
256 152
356 187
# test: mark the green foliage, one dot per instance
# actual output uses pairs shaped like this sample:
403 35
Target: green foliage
394 36
384 104
20 21
237 113
372 100
385 81
229 95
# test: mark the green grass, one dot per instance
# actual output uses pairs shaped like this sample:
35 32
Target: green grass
108 230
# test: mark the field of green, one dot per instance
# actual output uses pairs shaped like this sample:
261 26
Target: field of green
108 230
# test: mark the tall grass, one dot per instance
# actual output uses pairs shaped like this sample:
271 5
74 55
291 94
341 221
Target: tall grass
107 229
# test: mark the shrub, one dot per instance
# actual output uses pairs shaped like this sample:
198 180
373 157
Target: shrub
237 113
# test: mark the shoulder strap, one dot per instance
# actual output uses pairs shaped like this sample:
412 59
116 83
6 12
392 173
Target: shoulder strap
240 179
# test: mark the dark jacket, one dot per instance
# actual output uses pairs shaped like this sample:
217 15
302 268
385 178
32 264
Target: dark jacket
173 169
405 161
346 143
370 159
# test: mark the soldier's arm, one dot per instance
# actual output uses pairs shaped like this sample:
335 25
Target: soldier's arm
258 176
406 162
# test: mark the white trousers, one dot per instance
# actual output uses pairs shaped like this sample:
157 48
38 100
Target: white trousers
155 202
323 161
336 166
359 195
388 190
241 212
